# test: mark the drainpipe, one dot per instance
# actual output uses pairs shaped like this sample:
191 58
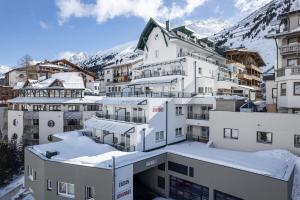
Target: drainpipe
113 178
195 79
275 73
144 139
167 122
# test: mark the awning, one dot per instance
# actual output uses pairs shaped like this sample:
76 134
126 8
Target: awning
108 125
131 101
155 80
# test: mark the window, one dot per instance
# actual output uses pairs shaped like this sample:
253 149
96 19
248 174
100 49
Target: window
73 108
283 89
15 122
161 182
223 196
162 167
182 189
178 168
54 108
92 107
159 136
66 189
231 133
35 136
179 111
200 70
292 40
264 137
35 122
49 185
156 53
292 62
107 72
178 132
37 107
191 171
296 88
90 193
146 56
201 90
297 140
51 123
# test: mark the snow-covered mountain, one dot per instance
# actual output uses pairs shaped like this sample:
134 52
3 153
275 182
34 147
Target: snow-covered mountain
250 32
74 57
3 70
108 57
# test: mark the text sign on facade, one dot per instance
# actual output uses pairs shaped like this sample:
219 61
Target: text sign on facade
158 109
124 183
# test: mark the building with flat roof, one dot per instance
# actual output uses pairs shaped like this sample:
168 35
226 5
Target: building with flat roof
67 169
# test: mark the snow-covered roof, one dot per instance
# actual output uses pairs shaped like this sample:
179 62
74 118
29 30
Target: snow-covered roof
109 125
50 65
246 87
69 80
155 80
73 149
126 63
129 101
47 100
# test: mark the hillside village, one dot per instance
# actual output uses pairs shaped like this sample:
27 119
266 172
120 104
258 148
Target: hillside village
169 116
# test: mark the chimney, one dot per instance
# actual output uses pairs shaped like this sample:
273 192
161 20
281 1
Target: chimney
168 25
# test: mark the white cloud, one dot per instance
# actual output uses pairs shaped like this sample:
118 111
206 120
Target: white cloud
103 10
43 25
250 5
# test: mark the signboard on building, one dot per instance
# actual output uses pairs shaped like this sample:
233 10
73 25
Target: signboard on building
158 109
124 183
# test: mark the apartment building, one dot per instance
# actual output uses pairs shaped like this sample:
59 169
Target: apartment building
44 70
67 169
176 63
248 67
52 105
287 79
115 77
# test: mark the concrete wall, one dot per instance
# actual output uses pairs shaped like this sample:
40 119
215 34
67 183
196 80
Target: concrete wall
283 126
44 129
79 175
15 128
242 184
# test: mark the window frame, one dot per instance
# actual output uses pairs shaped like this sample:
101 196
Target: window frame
230 136
161 182
49 185
66 194
296 144
259 140
296 83
93 190
281 89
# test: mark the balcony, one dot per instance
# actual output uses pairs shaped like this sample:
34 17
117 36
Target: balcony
295 70
280 72
198 57
244 76
198 116
255 68
237 64
158 74
31 114
126 118
290 49
31 128
72 115
151 94
254 77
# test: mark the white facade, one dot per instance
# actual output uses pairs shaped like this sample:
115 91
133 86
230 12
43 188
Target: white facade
283 127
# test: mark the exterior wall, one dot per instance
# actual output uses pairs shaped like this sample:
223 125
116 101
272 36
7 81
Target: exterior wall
156 42
256 187
18 127
79 175
282 125
270 84
44 129
294 21
3 121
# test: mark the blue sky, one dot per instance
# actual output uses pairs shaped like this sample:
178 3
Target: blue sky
45 29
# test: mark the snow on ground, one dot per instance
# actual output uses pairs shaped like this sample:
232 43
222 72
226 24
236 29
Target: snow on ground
72 149
14 184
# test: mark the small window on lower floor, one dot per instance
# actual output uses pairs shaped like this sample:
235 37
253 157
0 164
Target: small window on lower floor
49 185
264 137
90 193
161 182
297 141
66 189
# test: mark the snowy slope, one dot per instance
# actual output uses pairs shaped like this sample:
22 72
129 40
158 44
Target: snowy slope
108 57
250 31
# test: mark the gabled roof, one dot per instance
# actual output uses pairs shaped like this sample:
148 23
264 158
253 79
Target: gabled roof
67 80
147 31
244 51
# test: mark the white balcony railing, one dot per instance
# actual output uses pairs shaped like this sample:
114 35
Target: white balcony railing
290 48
